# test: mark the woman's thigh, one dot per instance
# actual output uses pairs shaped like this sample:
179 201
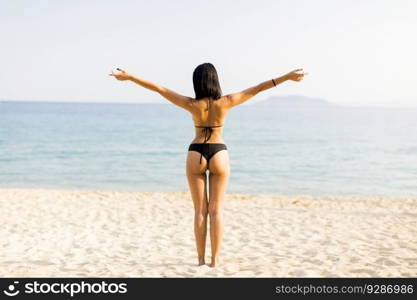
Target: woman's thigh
197 181
219 167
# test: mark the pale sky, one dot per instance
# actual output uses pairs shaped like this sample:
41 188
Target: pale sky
357 52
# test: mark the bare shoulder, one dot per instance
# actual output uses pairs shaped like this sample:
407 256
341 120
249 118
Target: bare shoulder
224 101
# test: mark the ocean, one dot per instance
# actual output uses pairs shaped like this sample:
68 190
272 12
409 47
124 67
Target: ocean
285 149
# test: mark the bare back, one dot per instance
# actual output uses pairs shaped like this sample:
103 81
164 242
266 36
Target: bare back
208 112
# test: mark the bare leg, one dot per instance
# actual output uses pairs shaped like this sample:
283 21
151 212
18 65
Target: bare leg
218 178
197 181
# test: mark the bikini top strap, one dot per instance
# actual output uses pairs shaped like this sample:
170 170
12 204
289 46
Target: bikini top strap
208 126
207 133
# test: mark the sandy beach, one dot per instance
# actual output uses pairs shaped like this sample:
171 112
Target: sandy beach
64 233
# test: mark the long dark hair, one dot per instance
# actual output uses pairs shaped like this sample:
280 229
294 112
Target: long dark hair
206 82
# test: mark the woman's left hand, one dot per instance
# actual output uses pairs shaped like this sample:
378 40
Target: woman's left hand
123 75
296 75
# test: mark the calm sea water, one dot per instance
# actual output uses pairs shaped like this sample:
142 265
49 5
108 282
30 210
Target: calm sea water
273 148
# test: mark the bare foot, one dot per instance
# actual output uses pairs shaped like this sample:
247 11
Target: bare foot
214 263
201 262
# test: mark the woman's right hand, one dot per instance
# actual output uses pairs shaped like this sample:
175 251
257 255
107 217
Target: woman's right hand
122 75
296 75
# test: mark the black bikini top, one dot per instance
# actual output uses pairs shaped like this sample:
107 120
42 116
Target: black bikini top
207 131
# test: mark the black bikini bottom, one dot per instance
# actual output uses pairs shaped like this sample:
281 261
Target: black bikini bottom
207 149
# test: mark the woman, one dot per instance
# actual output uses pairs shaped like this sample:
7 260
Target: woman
208 151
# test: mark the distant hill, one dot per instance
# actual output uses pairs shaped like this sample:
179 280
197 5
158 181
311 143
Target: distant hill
292 100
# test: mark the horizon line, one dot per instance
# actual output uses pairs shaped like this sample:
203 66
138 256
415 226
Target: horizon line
167 102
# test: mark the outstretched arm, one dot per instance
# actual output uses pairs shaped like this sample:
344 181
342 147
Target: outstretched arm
177 99
240 97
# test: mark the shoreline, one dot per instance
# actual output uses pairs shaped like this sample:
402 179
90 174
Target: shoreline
95 233
186 191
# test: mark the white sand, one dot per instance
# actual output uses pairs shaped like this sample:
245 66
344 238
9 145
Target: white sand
63 233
